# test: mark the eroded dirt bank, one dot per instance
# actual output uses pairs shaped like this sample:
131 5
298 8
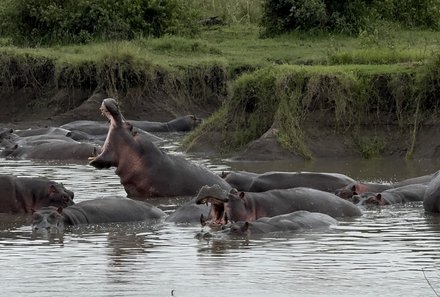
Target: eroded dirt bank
271 114
38 92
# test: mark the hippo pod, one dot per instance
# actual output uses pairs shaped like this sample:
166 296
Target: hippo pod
249 206
145 170
52 144
96 211
23 195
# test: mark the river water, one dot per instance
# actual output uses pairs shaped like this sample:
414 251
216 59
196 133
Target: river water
389 251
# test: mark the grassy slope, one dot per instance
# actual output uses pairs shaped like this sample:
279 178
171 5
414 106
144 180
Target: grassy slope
240 45
239 49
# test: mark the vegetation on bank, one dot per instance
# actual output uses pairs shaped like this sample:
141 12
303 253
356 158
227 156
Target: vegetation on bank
386 70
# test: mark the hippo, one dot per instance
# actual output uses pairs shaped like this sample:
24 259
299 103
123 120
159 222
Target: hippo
359 188
431 199
291 222
253 182
249 206
96 211
145 170
188 213
180 124
21 195
404 194
95 128
56 150
424 179
43 131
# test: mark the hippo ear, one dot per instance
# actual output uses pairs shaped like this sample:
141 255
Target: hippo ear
60 210
379 197
241 195
353 188
53 189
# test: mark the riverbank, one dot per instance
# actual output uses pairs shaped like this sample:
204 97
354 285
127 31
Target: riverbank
294 96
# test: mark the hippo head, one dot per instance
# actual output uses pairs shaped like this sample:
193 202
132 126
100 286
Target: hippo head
110 109
375 199
225 205
369 198
120 133
348 191
55 195
218 198
194 121
48 219
239 229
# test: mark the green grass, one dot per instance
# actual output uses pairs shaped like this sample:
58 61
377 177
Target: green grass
239 45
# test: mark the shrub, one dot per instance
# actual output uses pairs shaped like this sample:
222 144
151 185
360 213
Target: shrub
348 16
285 15
63 21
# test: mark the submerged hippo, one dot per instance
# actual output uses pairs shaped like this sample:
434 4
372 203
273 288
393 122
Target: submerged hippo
358 188
144 169
404 194
180 124
43 131
249 206
24 194
292 222
253 182
55 150
96 211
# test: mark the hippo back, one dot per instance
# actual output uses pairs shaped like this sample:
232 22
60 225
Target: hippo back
108 210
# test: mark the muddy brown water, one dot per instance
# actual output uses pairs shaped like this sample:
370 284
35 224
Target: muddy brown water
389 251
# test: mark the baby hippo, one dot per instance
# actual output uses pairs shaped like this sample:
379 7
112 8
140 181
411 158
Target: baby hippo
291 222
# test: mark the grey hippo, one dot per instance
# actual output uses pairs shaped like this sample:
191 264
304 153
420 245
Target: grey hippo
404 194
253 182
249 206
96 211
431 200
297 221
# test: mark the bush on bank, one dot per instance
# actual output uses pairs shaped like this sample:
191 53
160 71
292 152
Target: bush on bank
348 16
80 21
288 97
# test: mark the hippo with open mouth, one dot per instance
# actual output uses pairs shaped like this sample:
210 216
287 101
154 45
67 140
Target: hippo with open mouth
145 170
237 206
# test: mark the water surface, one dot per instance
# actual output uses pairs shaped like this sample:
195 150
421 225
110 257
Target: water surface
389 251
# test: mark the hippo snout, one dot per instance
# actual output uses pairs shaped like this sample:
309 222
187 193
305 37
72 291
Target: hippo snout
212 194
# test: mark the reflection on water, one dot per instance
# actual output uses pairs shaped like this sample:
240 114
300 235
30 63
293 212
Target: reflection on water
380 254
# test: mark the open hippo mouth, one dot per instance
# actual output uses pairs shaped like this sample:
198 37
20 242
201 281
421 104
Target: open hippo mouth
110 109
218 198
218 214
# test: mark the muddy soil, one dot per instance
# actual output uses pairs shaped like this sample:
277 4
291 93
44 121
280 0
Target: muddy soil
27 108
